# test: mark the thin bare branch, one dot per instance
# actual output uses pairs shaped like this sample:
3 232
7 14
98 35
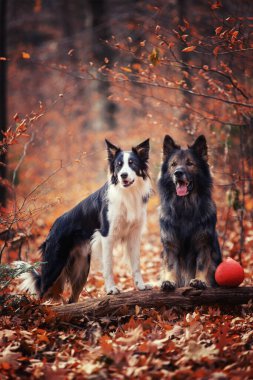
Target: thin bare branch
21 159
90 77
191 66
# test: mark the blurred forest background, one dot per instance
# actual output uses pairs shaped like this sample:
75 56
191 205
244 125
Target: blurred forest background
75 72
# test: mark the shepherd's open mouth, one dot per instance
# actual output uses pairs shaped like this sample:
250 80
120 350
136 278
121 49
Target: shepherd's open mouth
127 183
183 188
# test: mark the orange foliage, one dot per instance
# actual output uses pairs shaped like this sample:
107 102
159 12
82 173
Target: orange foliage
154 88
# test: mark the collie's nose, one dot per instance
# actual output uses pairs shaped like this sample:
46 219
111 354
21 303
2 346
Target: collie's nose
178 173
124 175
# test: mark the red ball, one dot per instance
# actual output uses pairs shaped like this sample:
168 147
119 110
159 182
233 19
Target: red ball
229 273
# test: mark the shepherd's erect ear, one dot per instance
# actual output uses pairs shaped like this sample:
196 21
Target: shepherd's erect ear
169 146
200 147
142 150
112 150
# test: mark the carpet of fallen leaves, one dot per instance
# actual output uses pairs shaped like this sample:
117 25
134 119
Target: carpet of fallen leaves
202 343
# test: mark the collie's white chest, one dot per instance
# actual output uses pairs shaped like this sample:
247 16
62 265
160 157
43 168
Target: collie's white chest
126 210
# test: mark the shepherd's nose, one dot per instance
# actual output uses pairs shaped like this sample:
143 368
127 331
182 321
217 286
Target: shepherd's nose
178 173
124 175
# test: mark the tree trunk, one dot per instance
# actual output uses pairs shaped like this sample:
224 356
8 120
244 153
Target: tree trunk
103 108
124 303
3 117
183 7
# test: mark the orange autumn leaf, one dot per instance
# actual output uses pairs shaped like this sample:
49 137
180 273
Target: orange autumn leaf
154 56
106 344
216 50
216 5
25 55
186 22
234 36
249 204
126 69
42 338
37 6
218 30
136 66
189 49
5 365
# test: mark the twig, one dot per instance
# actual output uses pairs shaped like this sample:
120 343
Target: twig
242 208
231 80
187 106
39 185
225 228
21 159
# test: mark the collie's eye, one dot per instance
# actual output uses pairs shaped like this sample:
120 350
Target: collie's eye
119 163
174 164
189 163
130 162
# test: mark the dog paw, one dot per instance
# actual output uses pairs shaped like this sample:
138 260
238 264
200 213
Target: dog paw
198 284
144 286
113 290
168 286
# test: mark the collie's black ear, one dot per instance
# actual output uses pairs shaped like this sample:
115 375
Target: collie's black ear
112 150
169 146
142 150
200 147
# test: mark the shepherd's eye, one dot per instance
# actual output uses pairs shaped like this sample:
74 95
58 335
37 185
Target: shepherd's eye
119 163
189 163
130 162
174 164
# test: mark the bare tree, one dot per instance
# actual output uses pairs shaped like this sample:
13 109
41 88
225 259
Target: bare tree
3 106
100 33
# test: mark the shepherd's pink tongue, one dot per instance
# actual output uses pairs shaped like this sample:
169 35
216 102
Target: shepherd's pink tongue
181 190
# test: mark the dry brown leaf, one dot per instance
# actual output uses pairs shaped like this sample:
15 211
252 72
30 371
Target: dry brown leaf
7 355
131 337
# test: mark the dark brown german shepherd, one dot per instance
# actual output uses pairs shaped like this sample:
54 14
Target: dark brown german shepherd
191 249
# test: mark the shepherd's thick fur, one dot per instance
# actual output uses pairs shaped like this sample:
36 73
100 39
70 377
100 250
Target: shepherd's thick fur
191 249
114 213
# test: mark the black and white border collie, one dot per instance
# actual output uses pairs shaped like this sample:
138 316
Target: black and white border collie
115 213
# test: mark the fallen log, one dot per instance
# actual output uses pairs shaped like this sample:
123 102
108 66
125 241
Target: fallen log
125 303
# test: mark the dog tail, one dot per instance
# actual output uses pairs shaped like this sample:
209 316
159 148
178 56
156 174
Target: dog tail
30 278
